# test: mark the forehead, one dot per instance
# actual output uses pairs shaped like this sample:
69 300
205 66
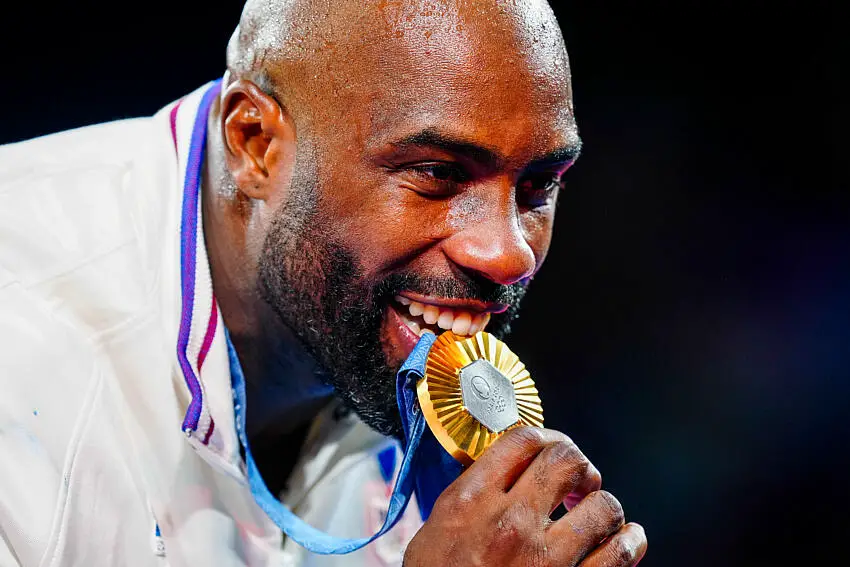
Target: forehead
479 70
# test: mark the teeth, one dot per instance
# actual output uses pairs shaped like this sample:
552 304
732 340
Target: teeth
461 324
479 322
431 314
416 309
447 318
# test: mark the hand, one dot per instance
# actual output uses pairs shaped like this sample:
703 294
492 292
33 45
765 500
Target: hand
497 514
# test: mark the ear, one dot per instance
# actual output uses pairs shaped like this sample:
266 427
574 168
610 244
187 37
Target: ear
259 139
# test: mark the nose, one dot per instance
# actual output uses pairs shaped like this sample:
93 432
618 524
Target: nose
494 247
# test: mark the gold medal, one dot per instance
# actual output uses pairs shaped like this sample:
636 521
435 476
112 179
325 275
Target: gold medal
474 390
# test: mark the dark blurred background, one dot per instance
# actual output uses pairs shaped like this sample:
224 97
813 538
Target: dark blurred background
691 329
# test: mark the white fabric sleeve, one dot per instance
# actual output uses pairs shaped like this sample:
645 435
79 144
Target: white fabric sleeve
7 554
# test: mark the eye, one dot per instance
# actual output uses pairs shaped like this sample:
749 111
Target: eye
437 178
539 189
441 171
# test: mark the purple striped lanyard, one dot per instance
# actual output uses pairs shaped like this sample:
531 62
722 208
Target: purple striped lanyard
193 339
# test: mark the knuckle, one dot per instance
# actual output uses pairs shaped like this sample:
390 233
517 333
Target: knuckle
638 539
565 453
613 510
513 523
533 439
447 508
551 437
528 439
446 505
467 496
623 551
567 463
595 476
638 532
458 499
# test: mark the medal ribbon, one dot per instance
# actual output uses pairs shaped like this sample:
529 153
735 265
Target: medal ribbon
428 481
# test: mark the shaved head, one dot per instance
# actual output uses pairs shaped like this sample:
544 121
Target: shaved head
383 154
326 54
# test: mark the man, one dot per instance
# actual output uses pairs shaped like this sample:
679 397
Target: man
195 297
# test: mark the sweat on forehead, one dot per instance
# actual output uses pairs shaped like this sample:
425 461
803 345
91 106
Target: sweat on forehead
307 49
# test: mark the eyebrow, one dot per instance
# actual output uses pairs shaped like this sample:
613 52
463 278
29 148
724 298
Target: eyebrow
565 155
431 137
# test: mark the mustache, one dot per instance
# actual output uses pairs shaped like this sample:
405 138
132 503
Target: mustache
462 287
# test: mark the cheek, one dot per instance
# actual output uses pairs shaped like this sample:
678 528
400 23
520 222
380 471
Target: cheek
381 225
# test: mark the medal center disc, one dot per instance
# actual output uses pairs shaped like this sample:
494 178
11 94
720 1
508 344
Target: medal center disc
488 395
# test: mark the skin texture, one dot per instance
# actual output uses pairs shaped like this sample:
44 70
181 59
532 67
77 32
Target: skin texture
363 149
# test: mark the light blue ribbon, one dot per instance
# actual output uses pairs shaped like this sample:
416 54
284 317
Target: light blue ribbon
423 467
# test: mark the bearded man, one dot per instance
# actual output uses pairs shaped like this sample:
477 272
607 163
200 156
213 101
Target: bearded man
203 312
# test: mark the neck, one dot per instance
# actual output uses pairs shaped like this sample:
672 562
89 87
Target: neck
284 389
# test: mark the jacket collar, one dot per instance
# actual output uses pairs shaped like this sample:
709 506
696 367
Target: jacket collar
201 352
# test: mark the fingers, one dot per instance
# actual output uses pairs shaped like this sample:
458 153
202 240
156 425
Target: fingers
495 471
592 520
559 470
503 463
506 496
624 549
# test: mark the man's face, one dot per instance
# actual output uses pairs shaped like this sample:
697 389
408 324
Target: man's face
423 197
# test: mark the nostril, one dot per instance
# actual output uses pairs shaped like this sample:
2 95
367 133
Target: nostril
505 270
503 257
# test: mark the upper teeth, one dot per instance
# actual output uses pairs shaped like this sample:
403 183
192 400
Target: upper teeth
459 321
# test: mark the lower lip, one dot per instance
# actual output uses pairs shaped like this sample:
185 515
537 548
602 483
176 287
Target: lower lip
404 334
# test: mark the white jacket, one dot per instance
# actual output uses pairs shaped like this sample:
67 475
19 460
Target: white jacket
95 469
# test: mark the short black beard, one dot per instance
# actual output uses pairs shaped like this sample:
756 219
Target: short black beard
318 290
